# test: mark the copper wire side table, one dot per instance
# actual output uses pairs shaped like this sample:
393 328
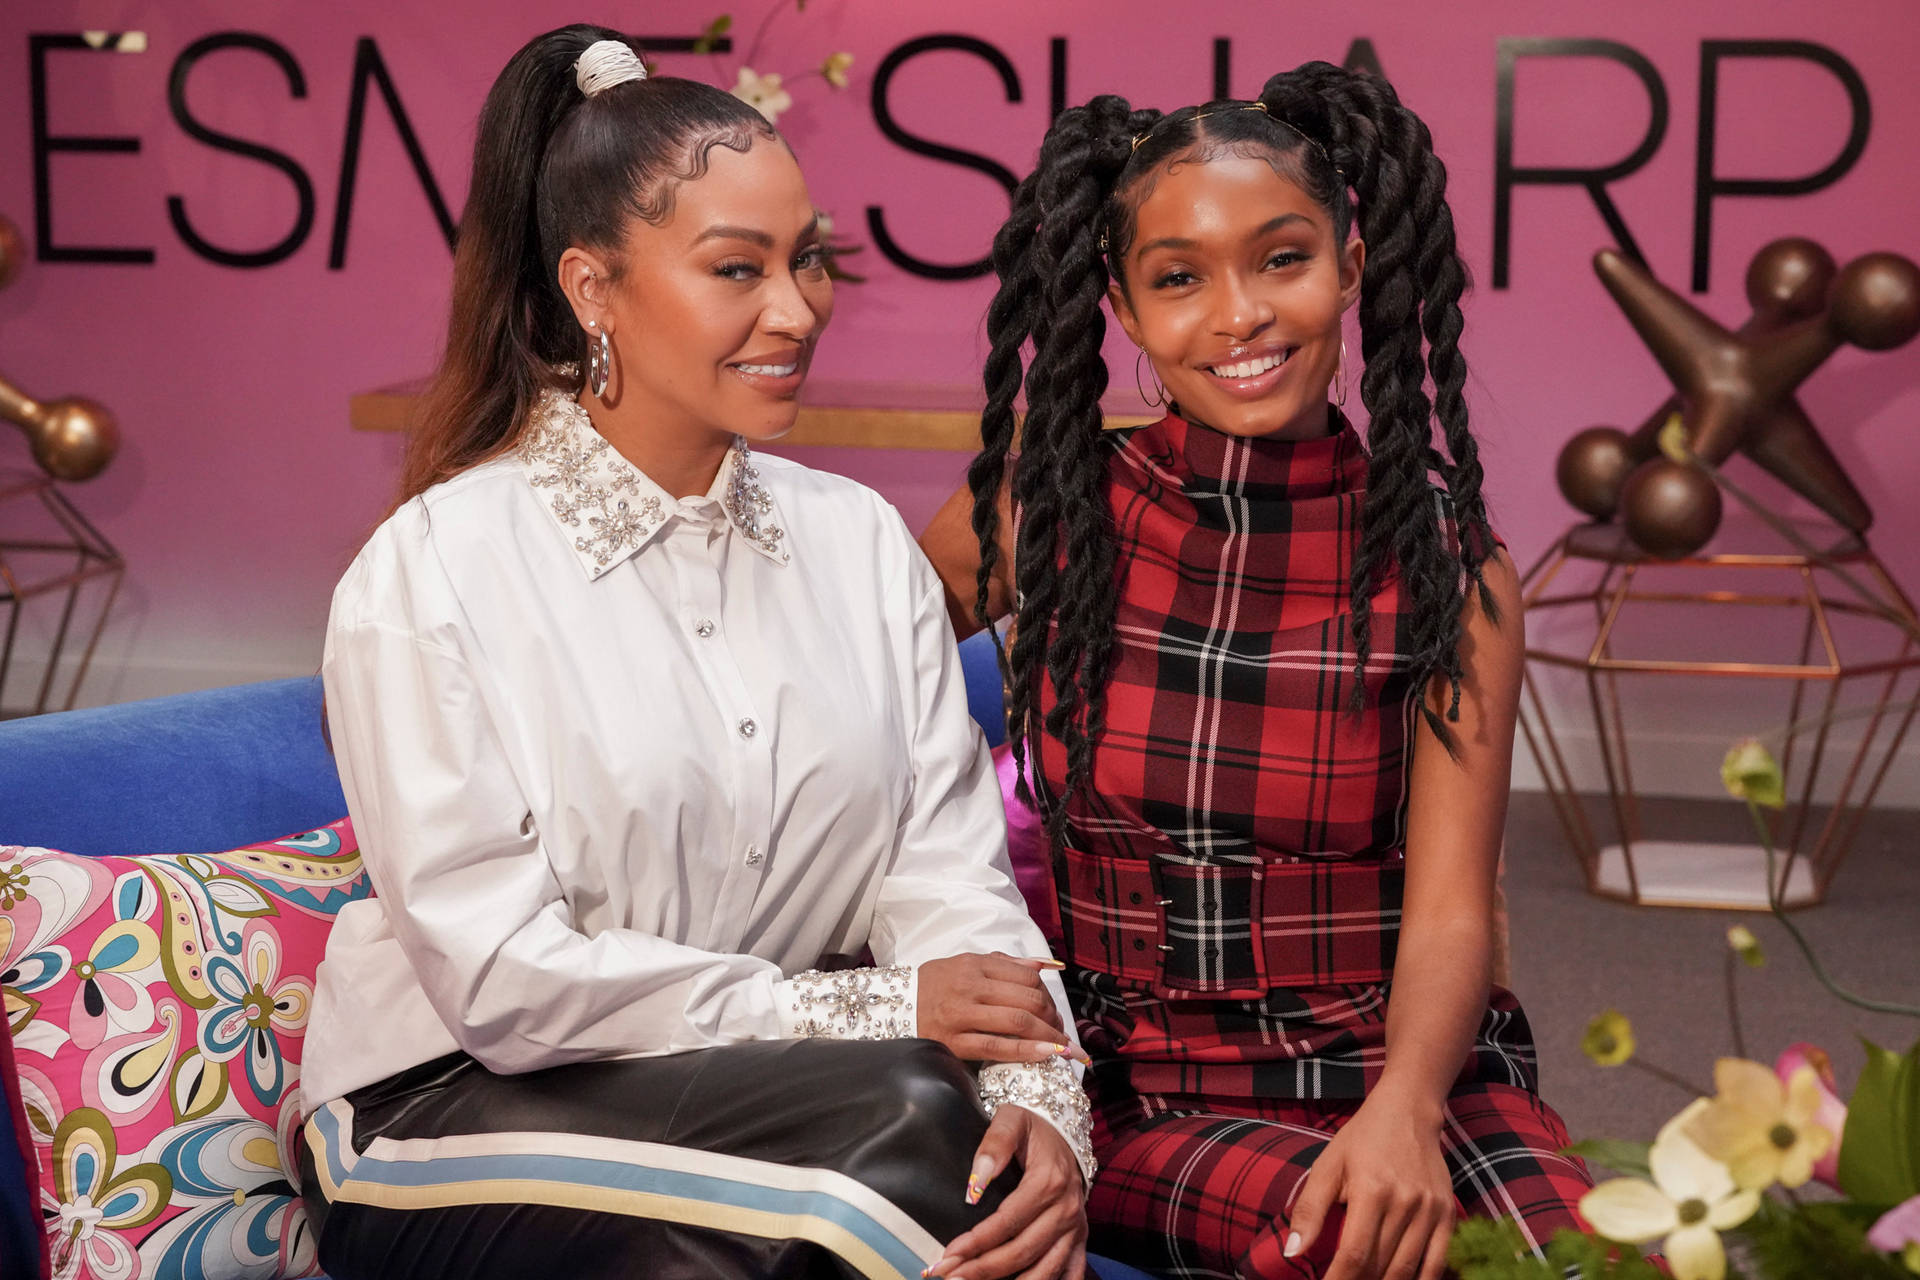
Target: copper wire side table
47 549
1592 602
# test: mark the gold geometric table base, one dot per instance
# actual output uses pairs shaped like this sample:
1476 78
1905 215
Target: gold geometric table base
49 552
1602 617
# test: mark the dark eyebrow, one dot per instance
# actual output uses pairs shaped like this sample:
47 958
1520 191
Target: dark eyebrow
1266 228
725 231
1168 242
1274 224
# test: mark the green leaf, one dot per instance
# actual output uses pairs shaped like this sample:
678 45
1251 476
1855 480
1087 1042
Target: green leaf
1880 1148
1626 1158
1490 1249
708 39
1906 1119
1819 1238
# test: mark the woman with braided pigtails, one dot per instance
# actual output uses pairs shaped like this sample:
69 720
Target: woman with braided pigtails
1262 680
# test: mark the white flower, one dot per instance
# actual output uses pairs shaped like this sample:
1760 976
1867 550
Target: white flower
835 69
762 93
824 221
1690 1201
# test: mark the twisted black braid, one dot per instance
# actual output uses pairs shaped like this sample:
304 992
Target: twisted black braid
1411 288
1327 129
1048 256
1009 325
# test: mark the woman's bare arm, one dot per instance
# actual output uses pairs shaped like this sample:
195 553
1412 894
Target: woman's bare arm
951 544
1456 820
1386 1163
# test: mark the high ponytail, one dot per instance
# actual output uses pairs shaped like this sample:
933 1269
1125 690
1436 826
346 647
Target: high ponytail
552 169
1071 226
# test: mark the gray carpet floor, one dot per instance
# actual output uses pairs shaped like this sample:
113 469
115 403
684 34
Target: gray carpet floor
1574 955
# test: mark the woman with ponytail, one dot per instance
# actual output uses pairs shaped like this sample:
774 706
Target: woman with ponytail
1262 684
635 727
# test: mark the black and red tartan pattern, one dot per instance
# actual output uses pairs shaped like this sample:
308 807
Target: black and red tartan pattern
1209 1193
1231 891
1230 895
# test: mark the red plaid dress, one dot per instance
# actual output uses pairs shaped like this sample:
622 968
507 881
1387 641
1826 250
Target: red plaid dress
1230 892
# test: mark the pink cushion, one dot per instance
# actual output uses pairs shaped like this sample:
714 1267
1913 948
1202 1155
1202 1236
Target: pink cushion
157 1007
17 1118
1027 847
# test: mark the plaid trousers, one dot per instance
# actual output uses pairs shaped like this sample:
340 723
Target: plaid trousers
1208 1193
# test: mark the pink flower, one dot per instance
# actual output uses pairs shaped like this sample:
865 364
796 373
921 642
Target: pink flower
1898 1230
1831 1114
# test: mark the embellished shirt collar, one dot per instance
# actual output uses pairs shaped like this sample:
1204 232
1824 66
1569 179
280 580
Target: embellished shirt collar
608 509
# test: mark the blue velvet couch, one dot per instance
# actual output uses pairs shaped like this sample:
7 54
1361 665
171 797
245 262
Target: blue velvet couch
211 771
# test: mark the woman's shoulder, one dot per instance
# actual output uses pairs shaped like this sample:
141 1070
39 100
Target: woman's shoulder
813 499
405 562
842 526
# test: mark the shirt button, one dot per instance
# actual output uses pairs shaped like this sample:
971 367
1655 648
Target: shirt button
753 855
703 628
748 728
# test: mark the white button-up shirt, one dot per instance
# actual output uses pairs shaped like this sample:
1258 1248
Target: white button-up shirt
622 764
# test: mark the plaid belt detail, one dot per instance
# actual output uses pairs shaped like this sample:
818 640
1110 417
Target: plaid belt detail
1233 930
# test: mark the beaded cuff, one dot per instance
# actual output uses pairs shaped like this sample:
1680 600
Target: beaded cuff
851 1004
1050 1090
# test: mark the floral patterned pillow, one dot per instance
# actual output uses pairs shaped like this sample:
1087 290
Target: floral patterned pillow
157 1007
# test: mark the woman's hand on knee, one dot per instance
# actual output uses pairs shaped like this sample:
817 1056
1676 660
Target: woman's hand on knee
991 1008
1039 1232
1386 1167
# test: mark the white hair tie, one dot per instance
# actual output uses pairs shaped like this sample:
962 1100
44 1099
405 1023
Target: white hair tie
605 64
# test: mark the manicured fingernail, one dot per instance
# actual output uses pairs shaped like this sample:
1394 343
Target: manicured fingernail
1293 1245
1079 1055
1050 963
977 1179
1058 1051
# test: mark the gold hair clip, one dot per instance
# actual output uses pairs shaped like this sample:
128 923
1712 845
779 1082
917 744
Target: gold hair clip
1255 105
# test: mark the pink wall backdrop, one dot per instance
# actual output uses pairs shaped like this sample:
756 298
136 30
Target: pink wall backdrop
241 493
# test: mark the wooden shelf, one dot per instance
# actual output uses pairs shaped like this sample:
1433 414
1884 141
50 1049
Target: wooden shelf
850 415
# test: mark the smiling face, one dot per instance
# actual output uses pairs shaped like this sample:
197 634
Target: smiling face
713 312
1234 286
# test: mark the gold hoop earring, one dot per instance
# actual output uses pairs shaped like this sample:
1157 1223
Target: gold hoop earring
1340 376
1159 389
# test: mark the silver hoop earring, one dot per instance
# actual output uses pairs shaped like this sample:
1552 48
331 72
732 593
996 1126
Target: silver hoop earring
1159 390
599 359
1340 376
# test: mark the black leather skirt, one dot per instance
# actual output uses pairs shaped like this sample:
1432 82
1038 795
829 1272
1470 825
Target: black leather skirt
777 1158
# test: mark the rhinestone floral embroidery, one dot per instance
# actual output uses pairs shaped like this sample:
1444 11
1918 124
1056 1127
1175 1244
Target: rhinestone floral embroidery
597 491
590 481
1049 1089
748 501
855 1004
